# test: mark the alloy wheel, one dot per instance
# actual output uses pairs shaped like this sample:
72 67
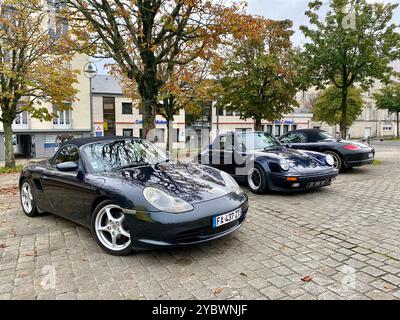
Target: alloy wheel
27 197
111 228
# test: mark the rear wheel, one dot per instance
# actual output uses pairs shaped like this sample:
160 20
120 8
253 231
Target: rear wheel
338 160
27 200
110 230
256 180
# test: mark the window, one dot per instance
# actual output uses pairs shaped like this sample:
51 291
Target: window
387 128
317 127
220 111
277 130
257 141
127 132
294 127
109 116
295 137
268 128
126 108
62 118
285 129
244 130
21 118
67 154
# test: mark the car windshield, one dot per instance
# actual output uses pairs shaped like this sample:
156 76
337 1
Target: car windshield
120 154
323 135
258 141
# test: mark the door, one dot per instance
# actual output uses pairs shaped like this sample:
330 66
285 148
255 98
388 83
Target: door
367 132
221 153
64 190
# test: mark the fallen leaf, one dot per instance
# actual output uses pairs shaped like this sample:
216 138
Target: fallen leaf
3 246
306 279
217 290
243 274
30 254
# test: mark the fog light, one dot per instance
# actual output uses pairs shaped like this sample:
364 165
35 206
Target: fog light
291 179
296 185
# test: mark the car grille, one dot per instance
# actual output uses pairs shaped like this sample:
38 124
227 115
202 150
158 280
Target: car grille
201 233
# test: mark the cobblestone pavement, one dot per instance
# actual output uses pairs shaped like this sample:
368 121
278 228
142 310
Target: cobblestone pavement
345 237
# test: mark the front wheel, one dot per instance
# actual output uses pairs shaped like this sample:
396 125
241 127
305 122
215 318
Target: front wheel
110 230
27 200
338 164
257 180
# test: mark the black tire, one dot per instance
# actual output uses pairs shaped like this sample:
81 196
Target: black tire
28 202
101 236
338 160
257 180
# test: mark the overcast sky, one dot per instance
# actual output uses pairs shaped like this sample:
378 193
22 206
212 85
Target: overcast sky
294 10
289 9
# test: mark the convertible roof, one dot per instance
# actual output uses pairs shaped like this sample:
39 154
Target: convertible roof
84 141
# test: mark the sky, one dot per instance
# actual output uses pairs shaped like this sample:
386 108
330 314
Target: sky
287 9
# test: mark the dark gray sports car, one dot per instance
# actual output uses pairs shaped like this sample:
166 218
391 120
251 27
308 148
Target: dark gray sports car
347 154
131 196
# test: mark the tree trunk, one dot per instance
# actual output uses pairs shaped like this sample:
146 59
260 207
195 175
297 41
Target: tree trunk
343 108
398 125
258 124
8 143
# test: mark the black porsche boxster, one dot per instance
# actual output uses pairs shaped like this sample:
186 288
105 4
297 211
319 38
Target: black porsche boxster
131 196
265 164
347 154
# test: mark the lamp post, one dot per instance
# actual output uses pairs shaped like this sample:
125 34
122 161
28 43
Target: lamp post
217 107
90 71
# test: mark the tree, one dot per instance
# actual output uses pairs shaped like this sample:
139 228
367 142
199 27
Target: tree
327 107
259 76
354 43
148 38
33 65
389 98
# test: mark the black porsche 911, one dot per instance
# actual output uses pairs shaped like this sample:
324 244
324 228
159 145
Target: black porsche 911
260 160
131 196
347 154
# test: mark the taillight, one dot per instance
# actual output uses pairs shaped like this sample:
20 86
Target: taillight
352 147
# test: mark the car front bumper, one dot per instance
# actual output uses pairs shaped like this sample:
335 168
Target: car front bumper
309 181
151 230
359 159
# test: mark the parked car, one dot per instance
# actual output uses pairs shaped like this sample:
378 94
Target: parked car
265 164
347 154
131 196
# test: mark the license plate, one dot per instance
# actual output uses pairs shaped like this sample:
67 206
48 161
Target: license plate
316 184
226 218
370 155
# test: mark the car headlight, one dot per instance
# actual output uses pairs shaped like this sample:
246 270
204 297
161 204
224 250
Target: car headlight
165 202
231 183
285 164
329 160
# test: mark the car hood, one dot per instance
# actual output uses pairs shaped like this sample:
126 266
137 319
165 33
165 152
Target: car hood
190 182
299 160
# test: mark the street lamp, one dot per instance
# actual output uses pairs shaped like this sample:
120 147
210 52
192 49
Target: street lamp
90 71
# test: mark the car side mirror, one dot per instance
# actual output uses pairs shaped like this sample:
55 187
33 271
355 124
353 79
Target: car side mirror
67 166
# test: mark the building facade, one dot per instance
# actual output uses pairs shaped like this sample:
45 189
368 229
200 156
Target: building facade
38 139
117 115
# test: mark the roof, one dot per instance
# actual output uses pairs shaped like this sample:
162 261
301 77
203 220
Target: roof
84 141
106 85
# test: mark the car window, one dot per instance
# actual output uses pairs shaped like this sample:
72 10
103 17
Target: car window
294 137
108 156
223 143
67 154
257 141
322 136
